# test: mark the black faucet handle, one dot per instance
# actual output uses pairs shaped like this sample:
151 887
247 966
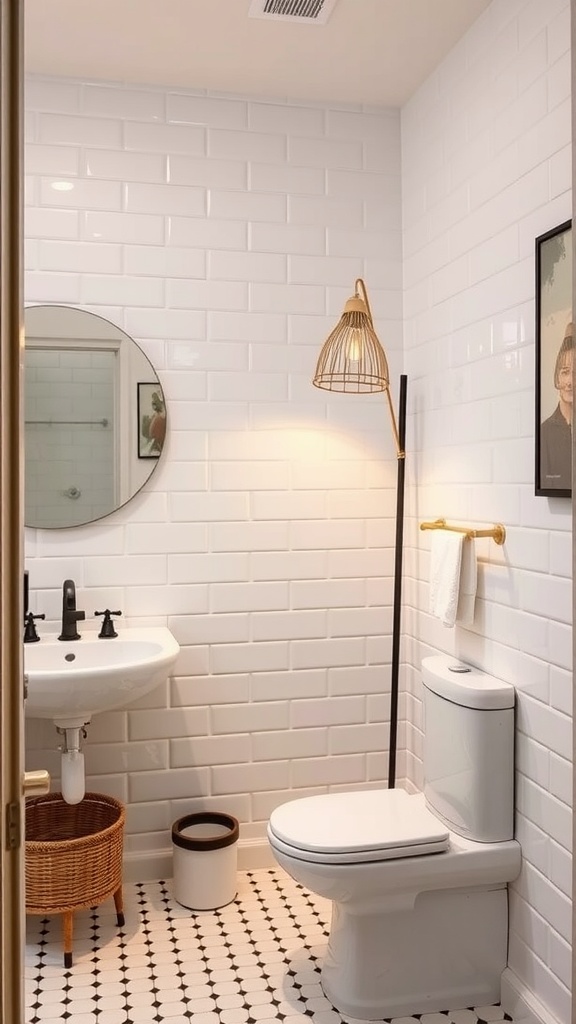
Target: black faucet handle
107 631
30 632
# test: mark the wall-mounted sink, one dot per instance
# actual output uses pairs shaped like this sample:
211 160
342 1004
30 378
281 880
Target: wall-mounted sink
70 682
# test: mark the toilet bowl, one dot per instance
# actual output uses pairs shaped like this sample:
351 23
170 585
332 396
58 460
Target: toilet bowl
419 895
417 928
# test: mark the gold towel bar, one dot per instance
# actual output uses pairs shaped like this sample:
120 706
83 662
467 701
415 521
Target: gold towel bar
497 532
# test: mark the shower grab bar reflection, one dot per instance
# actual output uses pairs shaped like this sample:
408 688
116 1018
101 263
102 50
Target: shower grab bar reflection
497 532
50 423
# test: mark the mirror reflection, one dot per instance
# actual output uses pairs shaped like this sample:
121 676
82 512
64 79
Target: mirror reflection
95 417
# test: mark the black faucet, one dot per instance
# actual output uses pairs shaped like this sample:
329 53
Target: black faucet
69 614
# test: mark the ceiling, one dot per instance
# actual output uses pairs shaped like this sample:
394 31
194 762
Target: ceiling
374 52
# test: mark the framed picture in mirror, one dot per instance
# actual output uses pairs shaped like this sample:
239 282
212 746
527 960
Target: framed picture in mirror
151 420
554 346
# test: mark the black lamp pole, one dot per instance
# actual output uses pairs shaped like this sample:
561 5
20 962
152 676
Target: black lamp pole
397 583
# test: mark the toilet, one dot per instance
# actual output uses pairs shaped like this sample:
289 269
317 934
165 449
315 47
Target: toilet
418 882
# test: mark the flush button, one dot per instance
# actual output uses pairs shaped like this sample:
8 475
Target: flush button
459 668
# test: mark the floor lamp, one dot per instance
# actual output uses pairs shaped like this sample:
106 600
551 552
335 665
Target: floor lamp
352 360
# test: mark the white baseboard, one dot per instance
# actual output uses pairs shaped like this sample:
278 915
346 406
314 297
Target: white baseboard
521 1003
254 854
153 865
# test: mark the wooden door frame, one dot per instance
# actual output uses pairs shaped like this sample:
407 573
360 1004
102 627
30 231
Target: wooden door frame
11 528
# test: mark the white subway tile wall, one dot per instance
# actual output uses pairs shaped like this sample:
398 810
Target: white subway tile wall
486 162
225 236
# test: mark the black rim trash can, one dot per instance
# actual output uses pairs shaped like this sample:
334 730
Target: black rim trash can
205 859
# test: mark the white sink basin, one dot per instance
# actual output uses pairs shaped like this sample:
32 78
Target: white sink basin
69 682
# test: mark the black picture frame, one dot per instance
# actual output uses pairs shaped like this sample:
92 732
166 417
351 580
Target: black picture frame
151 419
553 337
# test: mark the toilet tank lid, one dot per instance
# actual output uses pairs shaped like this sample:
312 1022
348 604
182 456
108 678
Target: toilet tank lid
465 685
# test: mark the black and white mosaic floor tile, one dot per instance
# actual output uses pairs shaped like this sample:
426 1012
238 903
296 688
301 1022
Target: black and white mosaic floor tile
255 961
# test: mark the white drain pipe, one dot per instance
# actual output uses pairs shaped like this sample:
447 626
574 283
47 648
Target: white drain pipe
72 771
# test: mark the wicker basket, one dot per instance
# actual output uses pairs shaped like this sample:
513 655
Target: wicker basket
73 856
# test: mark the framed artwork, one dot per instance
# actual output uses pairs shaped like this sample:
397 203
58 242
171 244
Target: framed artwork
553 433
151 420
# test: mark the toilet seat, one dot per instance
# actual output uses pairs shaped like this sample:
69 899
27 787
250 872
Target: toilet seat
371 825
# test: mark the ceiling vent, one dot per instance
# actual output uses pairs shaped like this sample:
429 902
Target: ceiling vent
310 12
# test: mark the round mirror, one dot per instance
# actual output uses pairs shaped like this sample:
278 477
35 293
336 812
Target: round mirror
94 413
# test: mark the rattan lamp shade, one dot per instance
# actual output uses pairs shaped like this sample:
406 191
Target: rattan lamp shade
352 359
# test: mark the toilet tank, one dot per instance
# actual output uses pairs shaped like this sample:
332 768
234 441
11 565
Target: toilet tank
468 749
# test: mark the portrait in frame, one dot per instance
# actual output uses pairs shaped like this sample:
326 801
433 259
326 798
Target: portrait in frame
553 426
151 420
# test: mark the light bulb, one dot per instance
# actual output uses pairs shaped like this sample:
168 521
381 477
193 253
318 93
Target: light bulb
354 345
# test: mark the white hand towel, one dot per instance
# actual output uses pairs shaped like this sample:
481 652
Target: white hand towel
445 563
468 583
453 578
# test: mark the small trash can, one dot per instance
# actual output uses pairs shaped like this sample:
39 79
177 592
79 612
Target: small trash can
205 859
